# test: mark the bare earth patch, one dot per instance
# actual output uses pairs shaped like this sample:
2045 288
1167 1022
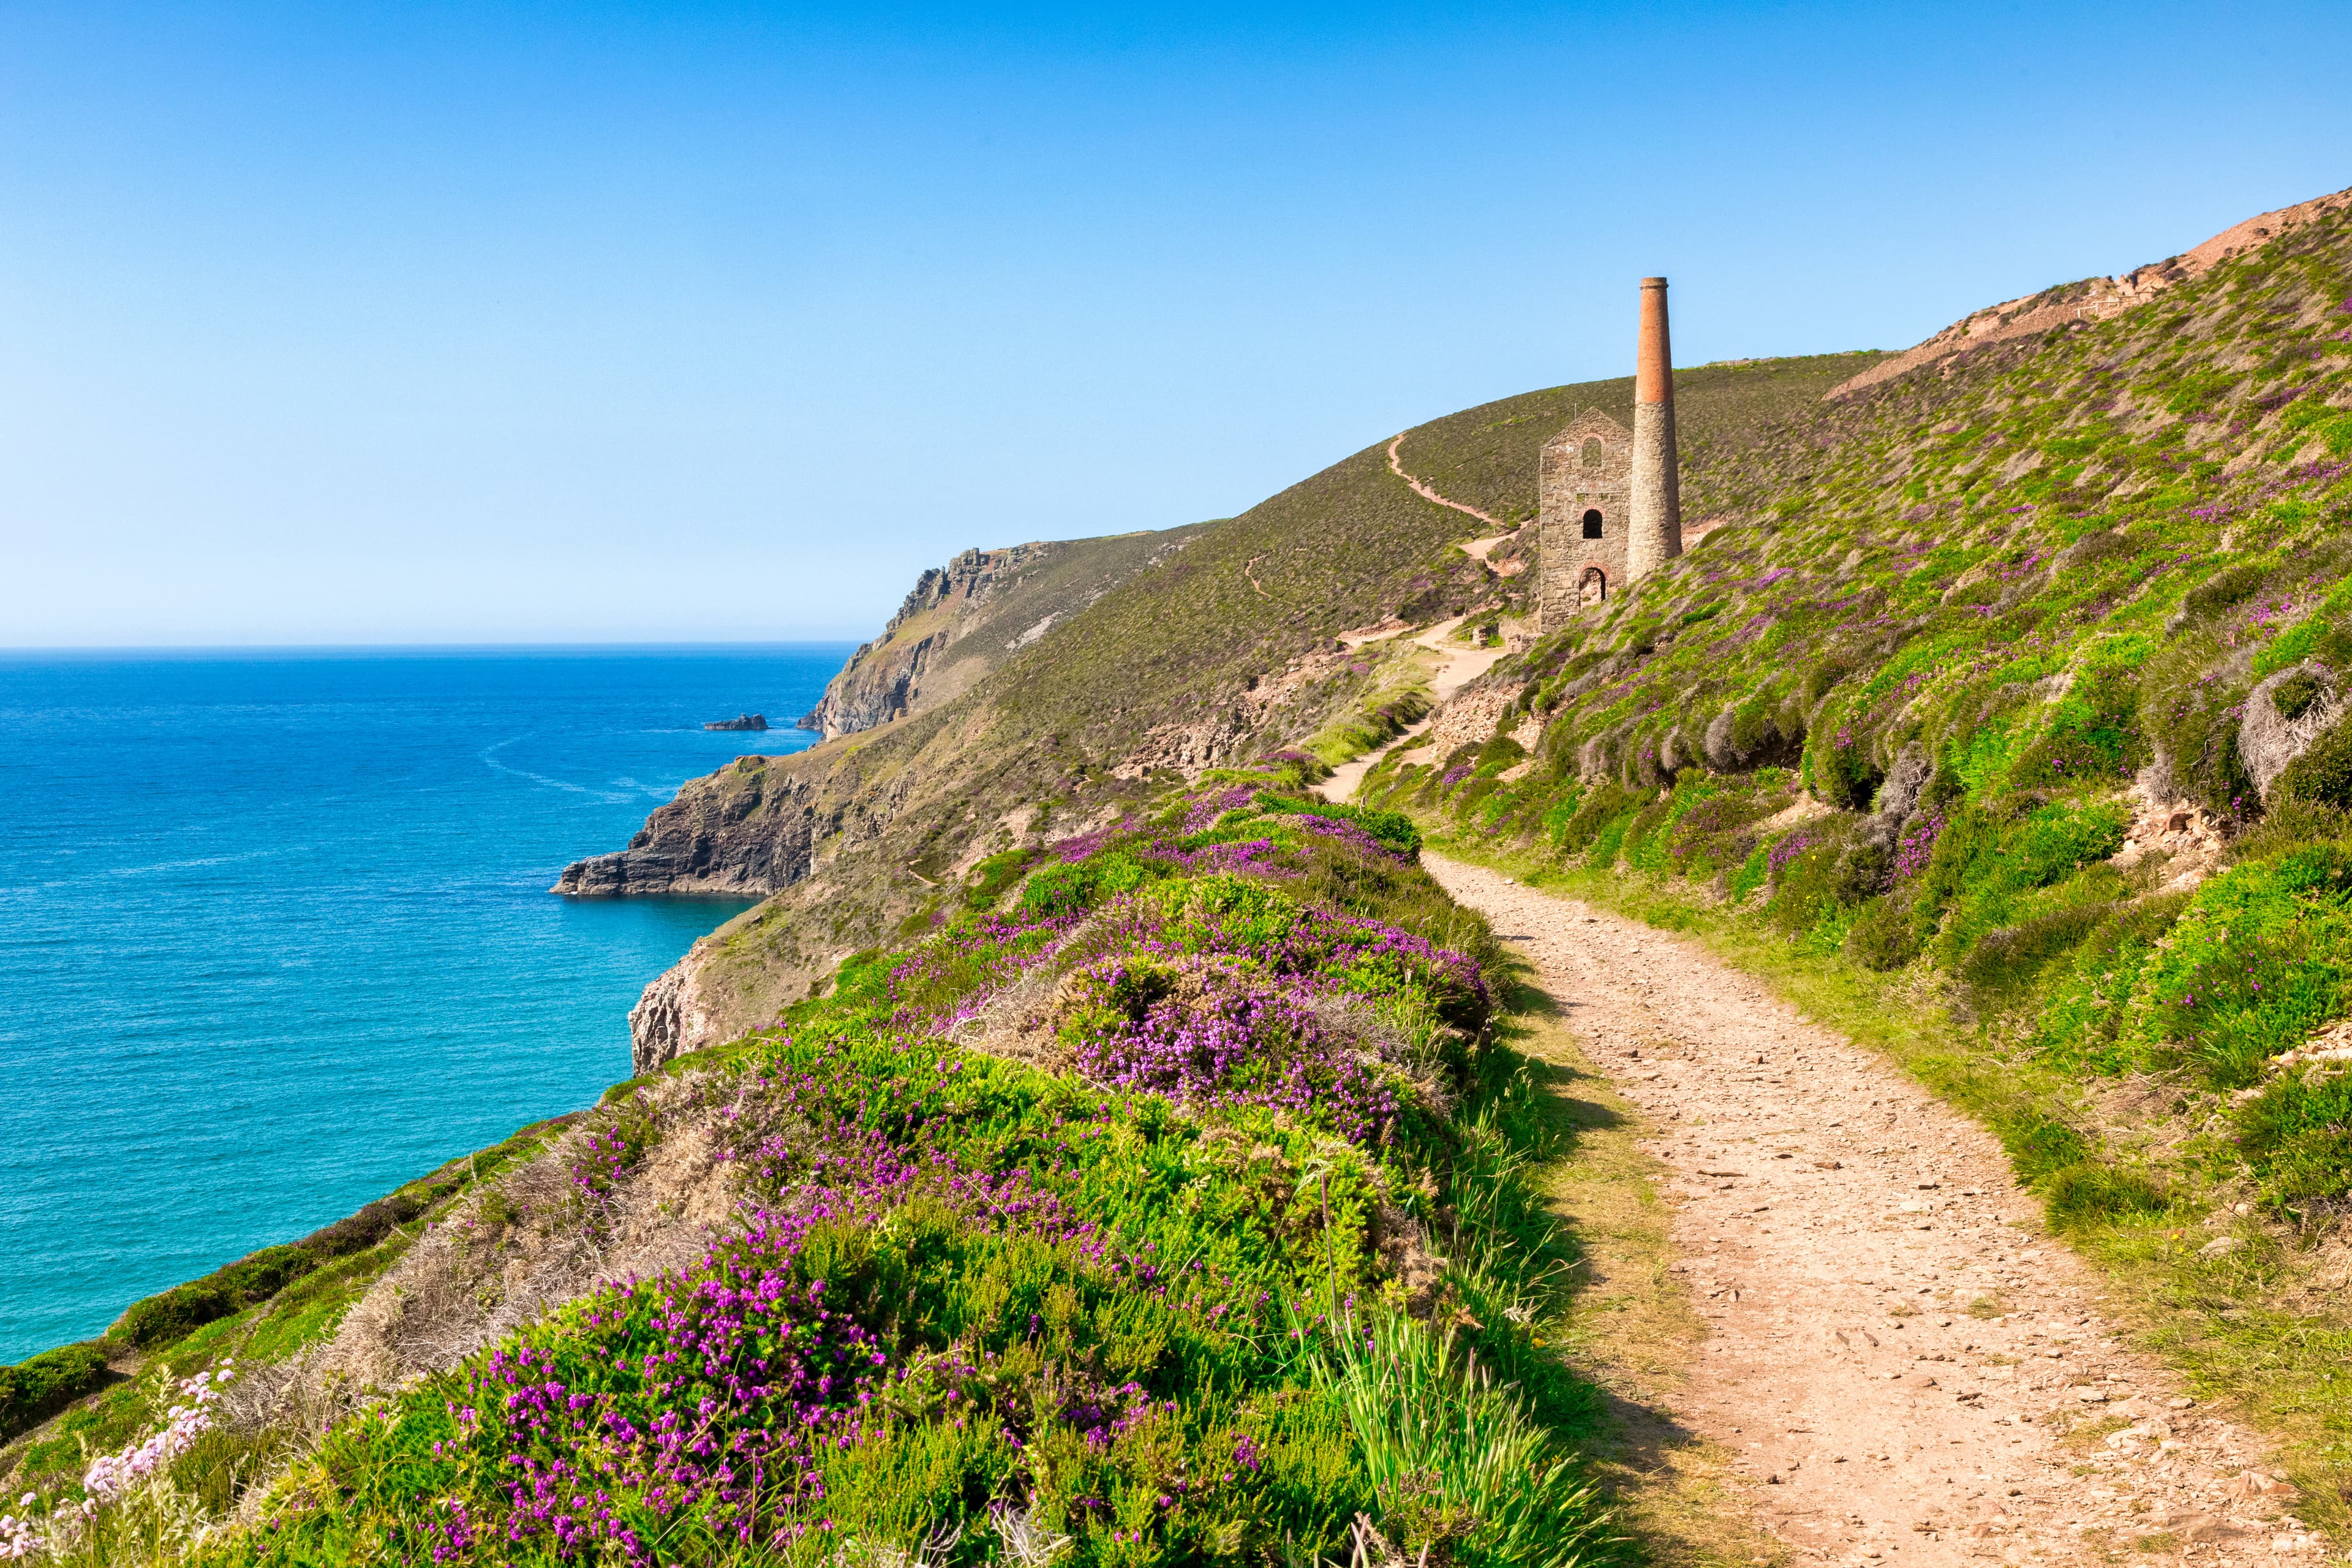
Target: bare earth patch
1908 1369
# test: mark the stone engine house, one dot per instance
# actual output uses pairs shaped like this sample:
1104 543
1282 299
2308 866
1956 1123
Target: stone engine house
1584 493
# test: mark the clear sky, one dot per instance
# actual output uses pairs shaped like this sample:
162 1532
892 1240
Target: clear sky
475 321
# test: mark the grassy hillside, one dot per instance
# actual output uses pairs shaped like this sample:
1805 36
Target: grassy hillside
1725 414
1175 666
1115 1156
1143 1210
2026 691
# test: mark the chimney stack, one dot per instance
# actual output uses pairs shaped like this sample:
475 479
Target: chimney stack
1655 531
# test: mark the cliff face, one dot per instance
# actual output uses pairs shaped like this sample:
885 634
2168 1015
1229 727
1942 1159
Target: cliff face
964 618
749 829
673 1016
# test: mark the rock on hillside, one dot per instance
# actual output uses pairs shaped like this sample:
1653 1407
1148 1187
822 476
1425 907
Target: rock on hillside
963 619
747 829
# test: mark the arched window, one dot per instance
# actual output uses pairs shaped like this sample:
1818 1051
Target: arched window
1592 524
1592 454
1593 589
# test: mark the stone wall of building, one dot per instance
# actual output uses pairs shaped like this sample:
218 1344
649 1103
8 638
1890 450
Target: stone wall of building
1587 469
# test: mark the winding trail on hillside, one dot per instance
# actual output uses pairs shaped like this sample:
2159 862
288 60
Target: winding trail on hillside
1477 549
1456 667
1834 1222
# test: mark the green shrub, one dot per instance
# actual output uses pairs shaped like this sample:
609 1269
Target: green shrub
2297 1134
1807 876
2293 697
2094 735
1390 829
1985 870
2003 964
993 875
1601 806
2255 965
39 1386
1883 936
2322 775
2087 1194
2230 587
1061 887
164 1318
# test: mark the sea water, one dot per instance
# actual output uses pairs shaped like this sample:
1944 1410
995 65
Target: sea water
275 933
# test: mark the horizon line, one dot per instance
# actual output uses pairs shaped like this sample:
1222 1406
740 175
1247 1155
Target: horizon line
95 650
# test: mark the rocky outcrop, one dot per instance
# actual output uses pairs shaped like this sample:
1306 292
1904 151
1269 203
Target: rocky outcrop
964 618
749 829
884 679
673 1017
740 722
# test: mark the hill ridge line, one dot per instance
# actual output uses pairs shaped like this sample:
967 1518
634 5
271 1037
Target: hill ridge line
2092 298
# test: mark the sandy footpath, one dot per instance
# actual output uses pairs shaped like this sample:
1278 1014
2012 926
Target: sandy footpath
1835 1223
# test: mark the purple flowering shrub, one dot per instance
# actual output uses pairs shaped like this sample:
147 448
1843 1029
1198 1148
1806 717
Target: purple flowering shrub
1204 1030
957 1284
964 1296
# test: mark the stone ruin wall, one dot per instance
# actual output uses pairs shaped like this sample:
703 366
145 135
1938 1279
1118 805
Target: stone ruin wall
1566 489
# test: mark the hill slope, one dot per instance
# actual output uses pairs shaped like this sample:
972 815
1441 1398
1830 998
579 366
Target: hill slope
2029 691
1011 1203
961 620
1211 656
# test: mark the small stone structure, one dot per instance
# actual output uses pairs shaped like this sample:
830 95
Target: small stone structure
1585 491
1610 500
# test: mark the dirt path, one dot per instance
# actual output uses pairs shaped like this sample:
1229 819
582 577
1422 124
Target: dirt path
1477 548
1456 667
1911 1371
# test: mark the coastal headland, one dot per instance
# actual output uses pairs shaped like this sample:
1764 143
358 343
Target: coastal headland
1120 1134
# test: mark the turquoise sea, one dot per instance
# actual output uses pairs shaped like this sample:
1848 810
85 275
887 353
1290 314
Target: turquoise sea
275 933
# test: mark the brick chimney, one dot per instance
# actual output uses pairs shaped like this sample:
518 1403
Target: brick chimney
1654 532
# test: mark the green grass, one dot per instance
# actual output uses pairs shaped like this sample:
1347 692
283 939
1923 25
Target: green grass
1182 645
1154 1328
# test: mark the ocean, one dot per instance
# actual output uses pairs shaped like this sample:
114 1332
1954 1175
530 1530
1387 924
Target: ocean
275 931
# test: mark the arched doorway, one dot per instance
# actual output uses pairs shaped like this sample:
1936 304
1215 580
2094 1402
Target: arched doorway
1592 524
1593 587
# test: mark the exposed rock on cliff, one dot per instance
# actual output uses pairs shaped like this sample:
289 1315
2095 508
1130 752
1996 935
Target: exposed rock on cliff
963 618
750 828
673 1016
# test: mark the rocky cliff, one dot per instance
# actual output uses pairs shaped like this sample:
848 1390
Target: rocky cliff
749 829
964 618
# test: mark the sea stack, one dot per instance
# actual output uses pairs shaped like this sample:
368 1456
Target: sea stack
1654 531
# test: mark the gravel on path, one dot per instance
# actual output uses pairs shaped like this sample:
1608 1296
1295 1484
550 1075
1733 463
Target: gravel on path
1835 1223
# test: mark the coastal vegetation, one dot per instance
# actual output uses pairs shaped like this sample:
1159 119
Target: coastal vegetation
1168 1204
2021 708
1108 1152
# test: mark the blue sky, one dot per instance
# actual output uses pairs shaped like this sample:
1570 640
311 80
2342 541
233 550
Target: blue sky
429 322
